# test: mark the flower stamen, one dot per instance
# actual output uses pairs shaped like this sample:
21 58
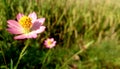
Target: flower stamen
26 23
49 42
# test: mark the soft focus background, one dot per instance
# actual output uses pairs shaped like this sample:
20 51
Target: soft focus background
87 34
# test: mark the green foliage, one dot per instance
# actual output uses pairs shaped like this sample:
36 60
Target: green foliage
73 24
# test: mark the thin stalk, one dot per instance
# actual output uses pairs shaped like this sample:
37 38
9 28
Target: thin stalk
86 46
71 58
22 53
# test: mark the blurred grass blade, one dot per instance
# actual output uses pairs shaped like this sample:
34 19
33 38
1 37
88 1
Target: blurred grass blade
86 46
11 64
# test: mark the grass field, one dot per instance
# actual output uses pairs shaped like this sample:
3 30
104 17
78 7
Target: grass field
87 34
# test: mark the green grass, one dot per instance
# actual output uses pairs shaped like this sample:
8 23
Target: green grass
74 24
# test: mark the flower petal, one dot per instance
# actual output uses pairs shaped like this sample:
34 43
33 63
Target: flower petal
32 35
54 43
36 25
14 31
24 36
19 15
52 39
41 20
41 29
13 23
49 43
50 46
33 16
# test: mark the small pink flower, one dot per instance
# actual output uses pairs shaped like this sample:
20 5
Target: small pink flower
50 43
26 26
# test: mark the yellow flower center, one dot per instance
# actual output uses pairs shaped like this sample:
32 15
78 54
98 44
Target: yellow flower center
26 23
49 42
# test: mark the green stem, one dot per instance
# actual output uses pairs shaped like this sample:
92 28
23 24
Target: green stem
22 53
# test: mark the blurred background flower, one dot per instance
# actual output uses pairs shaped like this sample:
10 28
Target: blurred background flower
50 43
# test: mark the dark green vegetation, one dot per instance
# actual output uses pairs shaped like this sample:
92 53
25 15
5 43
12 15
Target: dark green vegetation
74 24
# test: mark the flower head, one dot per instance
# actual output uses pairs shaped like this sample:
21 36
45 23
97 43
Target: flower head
50 43
26 26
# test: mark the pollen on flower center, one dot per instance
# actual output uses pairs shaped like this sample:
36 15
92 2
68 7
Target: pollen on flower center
26 23
49 42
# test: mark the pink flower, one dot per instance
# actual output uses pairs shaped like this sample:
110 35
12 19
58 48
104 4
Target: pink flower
50 43
26 26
